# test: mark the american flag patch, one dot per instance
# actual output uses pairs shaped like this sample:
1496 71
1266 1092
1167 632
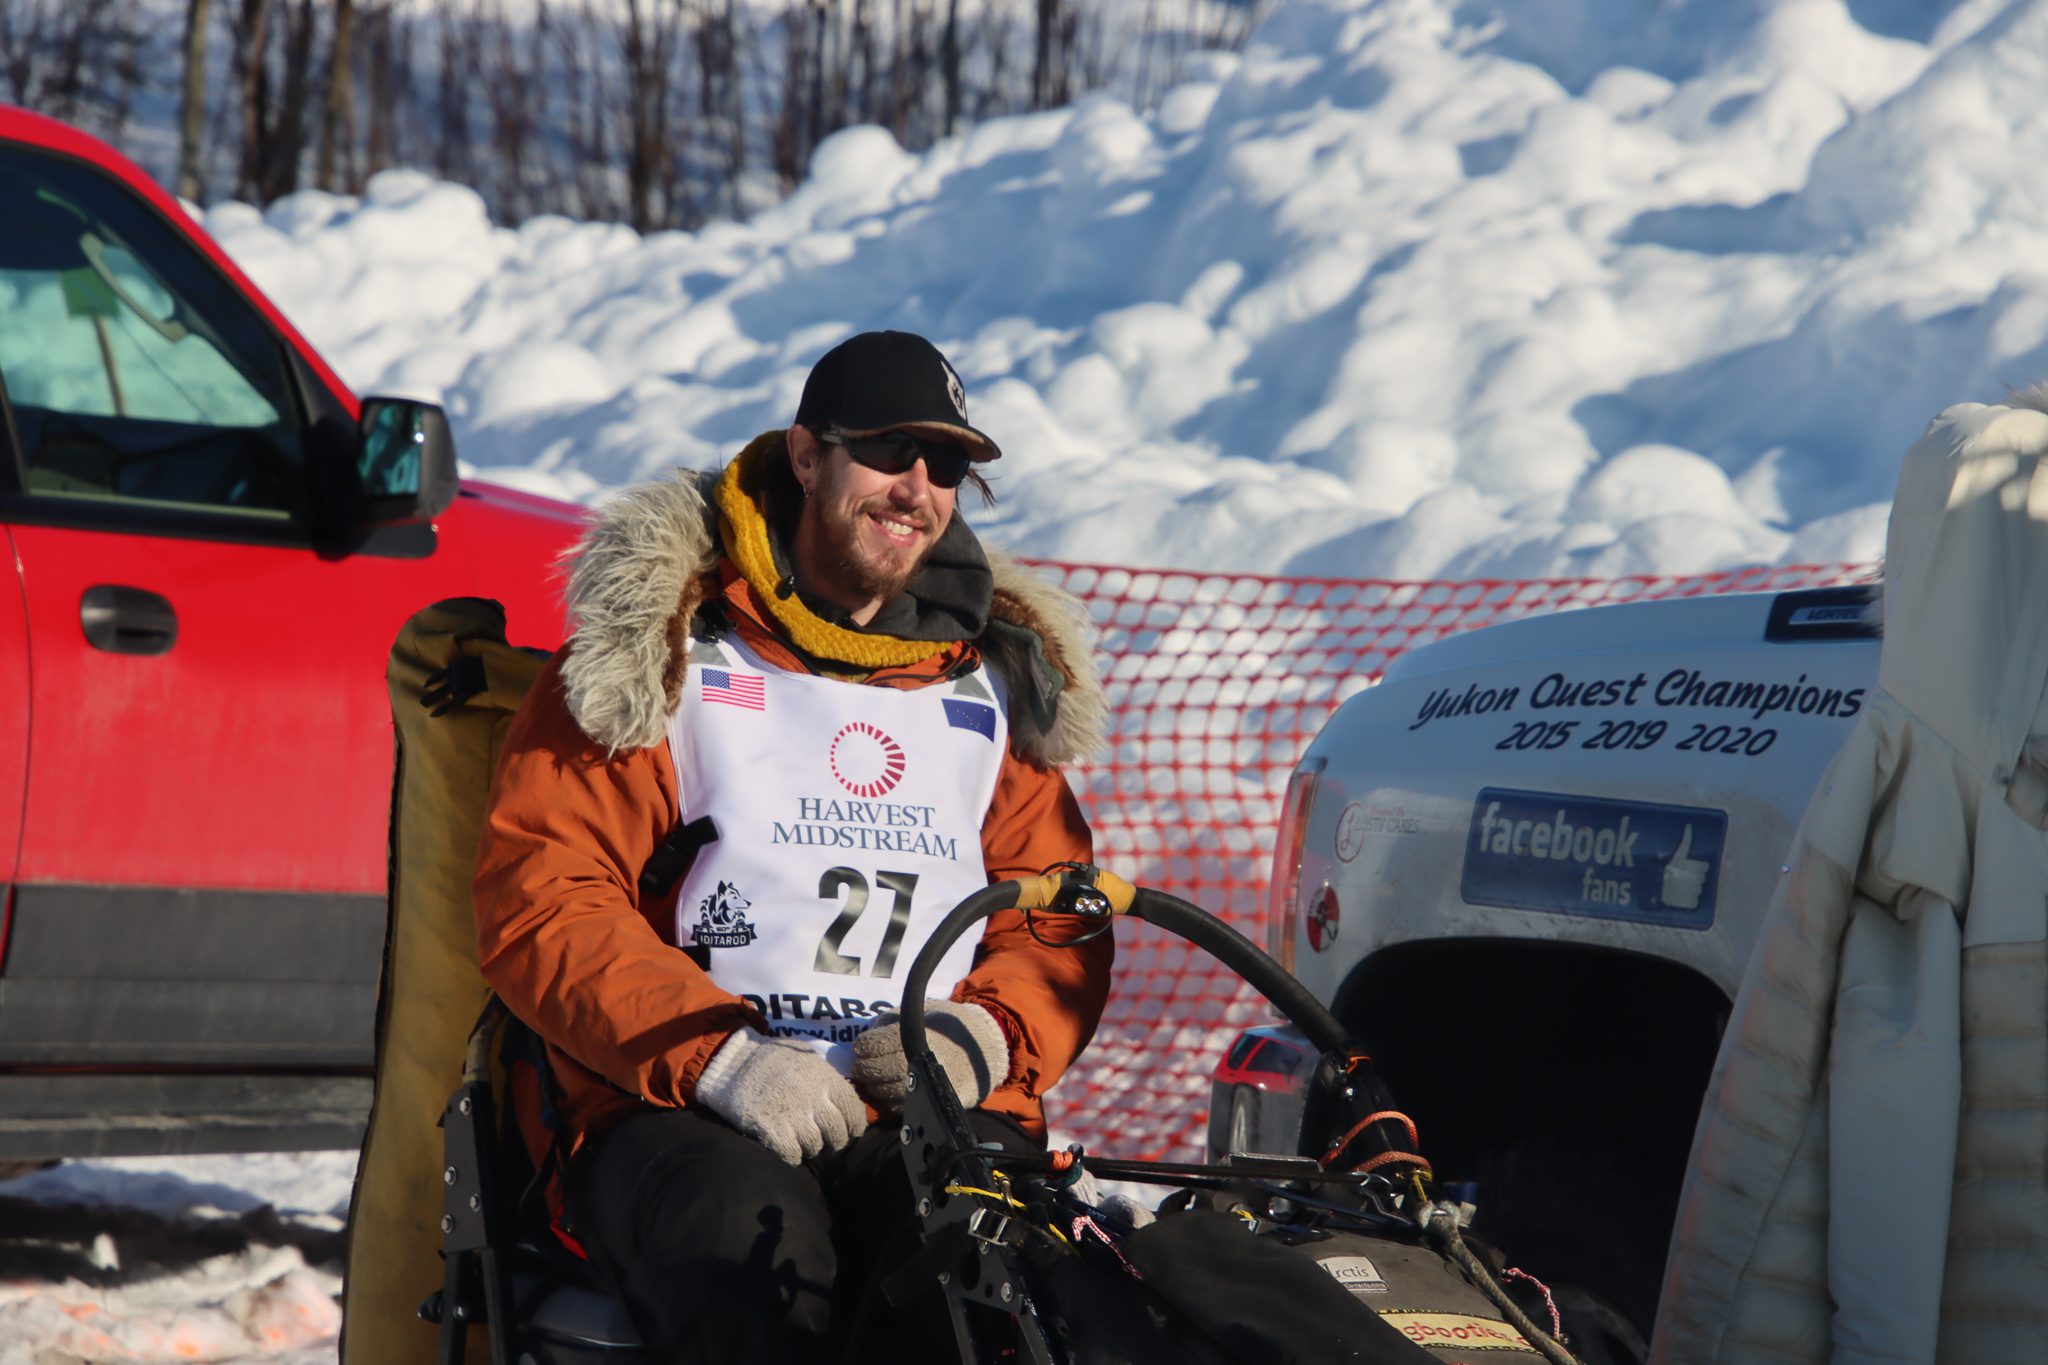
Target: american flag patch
745 690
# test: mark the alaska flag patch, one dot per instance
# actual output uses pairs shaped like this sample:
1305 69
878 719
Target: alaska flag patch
971 715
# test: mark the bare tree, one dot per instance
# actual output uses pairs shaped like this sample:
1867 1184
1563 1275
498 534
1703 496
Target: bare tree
71 59
1053 52
337 122
273 48
721 157
387 40
192 110
458 48
517 101
1044 53
992 43
949 65
290 130
252 37
647 50
657 112
580 68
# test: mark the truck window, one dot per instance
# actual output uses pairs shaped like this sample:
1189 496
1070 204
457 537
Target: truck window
136 374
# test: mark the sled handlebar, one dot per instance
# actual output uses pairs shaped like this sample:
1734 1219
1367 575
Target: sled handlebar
973 1224
1089 894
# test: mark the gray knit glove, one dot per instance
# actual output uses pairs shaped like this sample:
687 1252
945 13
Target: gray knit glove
966 1040
782 1094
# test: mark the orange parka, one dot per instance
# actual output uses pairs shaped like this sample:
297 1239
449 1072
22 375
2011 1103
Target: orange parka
586 791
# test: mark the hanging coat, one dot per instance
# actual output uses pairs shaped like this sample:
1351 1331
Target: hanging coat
1869 1176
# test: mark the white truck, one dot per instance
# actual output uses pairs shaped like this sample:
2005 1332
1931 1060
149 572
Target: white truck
1526 870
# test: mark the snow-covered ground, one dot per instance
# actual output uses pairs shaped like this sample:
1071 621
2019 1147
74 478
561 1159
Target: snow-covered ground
1409 288
215 1258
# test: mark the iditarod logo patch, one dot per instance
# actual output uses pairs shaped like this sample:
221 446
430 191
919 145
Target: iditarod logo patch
722 920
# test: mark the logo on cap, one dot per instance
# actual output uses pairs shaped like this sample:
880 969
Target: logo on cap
954 389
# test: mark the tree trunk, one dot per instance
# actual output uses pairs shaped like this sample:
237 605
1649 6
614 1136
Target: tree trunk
1041 66
255 93
337 122
289 128
452 145
515 89
640 151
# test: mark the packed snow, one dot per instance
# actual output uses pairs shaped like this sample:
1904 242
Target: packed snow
1408 288
214 1258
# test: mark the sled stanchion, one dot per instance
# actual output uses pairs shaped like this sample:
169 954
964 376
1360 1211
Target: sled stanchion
964 916
985 1280
471 1232
497 1304
454 1333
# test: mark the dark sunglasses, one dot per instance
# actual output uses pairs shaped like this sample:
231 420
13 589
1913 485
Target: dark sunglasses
894 452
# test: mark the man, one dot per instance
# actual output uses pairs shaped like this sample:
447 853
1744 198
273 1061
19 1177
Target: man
815 655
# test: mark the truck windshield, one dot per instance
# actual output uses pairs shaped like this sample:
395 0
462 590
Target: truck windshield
134 371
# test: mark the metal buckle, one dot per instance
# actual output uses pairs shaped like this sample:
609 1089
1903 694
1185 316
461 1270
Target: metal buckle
978 1226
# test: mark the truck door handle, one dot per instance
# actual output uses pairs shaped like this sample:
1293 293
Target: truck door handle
127 620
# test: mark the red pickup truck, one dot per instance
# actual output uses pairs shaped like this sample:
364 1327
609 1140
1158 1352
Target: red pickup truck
209 545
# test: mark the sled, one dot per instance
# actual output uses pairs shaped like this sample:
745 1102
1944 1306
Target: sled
1342 1253
1344 1234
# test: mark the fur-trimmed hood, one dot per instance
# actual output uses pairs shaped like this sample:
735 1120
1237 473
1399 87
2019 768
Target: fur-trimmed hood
651 559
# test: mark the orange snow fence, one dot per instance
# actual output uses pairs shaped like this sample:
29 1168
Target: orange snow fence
1217 683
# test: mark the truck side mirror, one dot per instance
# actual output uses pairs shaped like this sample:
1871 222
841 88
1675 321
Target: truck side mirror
405 461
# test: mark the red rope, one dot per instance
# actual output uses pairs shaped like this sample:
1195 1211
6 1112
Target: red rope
1556 1319
1383 1159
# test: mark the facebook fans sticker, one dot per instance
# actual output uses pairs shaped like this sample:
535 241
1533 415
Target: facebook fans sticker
1581 855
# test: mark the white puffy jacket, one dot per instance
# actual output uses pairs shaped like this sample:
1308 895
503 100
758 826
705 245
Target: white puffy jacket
1869 1178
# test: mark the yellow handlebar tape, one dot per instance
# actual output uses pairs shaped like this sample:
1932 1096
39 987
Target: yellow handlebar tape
1037 893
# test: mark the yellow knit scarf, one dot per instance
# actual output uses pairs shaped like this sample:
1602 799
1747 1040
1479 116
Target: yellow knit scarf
745 530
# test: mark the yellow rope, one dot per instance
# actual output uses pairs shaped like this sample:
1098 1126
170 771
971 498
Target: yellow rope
746 542
985 1194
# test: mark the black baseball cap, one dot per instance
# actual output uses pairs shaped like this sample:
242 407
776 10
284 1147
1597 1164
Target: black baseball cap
890 381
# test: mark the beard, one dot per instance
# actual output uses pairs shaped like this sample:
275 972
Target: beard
844 559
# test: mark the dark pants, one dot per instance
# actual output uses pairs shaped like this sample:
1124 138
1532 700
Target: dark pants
723 1253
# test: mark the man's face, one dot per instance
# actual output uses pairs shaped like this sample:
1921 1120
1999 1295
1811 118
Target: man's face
864 534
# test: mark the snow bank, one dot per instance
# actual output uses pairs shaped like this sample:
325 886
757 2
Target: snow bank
1413 287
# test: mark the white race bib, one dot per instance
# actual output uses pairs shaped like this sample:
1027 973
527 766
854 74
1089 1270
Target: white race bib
849 824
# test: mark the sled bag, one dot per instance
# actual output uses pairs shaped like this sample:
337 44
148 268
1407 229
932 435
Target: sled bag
1344 1297
454 685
